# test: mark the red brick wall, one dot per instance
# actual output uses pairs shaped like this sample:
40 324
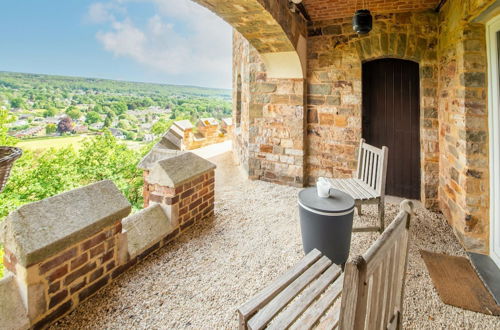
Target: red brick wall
329 9
57 285
188 202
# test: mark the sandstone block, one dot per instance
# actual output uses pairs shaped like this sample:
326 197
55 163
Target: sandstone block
146 228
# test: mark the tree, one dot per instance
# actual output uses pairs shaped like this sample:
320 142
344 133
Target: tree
92 117
50 112
161 127
50 129
5 138
65 125
108 122
18 103
73 112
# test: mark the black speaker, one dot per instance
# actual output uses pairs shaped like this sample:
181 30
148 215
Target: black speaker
362 22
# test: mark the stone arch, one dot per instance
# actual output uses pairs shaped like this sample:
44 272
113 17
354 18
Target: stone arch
239 102
422 50
271 28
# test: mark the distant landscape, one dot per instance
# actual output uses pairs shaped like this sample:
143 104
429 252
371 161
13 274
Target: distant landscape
46 107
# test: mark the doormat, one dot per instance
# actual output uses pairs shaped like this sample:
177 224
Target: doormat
457 283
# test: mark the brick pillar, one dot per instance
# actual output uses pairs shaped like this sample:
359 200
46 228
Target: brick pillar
186 197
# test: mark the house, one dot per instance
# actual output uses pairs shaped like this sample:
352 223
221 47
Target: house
97 126
117 133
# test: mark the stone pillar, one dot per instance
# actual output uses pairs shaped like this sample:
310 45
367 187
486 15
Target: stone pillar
63 249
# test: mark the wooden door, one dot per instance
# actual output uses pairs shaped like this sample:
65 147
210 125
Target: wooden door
391 117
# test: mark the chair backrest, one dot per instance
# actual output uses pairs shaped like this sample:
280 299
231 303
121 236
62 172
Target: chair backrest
372 166
372 296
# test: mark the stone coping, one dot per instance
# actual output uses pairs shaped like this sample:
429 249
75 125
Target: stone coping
184 124
208 122
145 228
156 154
174 171
39 230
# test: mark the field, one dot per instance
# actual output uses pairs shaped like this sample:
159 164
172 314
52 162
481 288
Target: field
40 144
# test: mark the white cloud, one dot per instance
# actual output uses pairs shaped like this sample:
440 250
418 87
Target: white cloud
181 39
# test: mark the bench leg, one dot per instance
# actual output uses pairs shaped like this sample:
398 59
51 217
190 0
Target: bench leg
381 214
359 209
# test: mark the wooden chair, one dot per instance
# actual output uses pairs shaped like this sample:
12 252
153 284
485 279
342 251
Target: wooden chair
308 295
368 187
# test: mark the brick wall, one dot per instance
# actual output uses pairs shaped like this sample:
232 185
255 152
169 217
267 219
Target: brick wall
331 9
186 203
61 256
59 284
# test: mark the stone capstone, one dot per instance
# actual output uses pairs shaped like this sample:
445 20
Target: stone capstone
174 171
156 154
39 230
145 228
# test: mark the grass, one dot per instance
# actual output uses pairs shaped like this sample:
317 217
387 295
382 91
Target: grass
43 143
51 142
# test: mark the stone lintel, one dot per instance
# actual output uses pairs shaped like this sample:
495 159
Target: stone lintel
39 230
174 171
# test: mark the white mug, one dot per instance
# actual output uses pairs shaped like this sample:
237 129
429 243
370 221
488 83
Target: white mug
323 188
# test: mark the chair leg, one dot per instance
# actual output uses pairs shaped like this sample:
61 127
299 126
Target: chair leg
359 209
381 214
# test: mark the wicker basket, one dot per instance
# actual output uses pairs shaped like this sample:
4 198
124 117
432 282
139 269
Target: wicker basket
8 155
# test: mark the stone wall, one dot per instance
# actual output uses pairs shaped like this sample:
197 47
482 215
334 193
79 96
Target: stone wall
334 114
270 141
63 249
463 117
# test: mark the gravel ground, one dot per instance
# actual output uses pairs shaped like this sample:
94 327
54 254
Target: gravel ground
199 280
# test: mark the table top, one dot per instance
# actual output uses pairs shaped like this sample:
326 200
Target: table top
338 202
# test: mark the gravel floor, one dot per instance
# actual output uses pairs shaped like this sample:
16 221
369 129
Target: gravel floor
199 280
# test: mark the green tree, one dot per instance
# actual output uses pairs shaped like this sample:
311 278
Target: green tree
161 126
73 112
92 117
5 138
108 122
18 103
50 129
50 112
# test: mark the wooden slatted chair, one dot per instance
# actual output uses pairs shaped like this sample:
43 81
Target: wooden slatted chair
316 294
368 187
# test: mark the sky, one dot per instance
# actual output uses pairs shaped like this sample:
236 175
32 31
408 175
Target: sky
163 41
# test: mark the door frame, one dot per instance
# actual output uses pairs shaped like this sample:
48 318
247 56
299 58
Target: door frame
492 27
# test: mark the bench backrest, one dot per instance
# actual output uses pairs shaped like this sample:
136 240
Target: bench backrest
372 166
372 296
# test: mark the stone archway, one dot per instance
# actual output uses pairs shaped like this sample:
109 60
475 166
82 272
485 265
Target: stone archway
272 29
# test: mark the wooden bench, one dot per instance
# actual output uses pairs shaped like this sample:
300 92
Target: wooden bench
316 294
368 187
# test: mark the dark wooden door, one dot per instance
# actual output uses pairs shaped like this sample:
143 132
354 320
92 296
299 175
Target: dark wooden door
391 117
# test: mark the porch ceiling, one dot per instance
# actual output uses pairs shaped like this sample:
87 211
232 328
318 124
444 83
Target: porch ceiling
331 9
